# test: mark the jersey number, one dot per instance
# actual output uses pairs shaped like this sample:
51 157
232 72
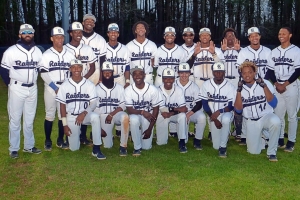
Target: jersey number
85 105
262 107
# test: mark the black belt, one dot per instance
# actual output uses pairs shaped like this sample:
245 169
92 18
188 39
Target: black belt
59 83
25 84
74 114
281 80
230 77
117 76
256 119
204 79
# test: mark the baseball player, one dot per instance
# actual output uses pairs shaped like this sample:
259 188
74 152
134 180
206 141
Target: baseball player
188 35
169 55
217 96
111 107
96 41
205 55
118 55
230 47
77 97
256 100
255 52
19 71
55 69
86 55
142 104
173 109
142 50
193 103
283 71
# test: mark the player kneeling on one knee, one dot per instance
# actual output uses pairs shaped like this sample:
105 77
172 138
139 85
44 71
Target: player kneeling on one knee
193 103
110 107
142 104
217 97
78 98
172 109
256 100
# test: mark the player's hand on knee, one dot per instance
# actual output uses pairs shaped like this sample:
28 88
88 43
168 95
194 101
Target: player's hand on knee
80 118
165 115
147 134
215 115
67 131
149 116
218 124
108 119
103 133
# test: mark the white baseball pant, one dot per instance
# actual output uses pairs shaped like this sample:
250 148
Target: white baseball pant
269 122
288 102
21 101
162 125
51 106
220 136
138 124
91 118
121 118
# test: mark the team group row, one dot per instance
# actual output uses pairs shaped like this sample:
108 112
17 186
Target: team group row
213 70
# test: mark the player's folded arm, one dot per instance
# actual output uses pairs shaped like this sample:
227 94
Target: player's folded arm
197 106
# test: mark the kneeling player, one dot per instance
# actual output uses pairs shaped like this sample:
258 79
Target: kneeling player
217 97
172 110
110 107
142 103
77 97
256 99
193 103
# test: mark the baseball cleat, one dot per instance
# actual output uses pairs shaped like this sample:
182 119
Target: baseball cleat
237 138
33 150
99 155
123 151
222 154
289 149
209 136
173 134
281 143
243 142
48 147
272 158
86 142
183 149
136 152
14 154
197 144
62 145
191 134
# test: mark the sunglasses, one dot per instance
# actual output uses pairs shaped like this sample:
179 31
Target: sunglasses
173 35
188 35
26 32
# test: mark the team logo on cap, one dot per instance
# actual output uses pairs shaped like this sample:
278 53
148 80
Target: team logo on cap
188 29
252 29
26 26
184 66
107 66
168 72
59 30
204 29
170 29
75 61
77 25
219 66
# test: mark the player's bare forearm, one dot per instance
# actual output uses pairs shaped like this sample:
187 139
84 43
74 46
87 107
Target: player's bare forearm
269 95
127 75
100 78
152 62
214 115
133 111
63 111
238 104
91 71
67 131
118 109
181 109
154 113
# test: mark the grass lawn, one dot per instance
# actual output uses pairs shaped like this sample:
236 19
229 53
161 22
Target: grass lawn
160 173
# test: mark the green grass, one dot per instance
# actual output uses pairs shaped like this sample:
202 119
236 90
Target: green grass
160 173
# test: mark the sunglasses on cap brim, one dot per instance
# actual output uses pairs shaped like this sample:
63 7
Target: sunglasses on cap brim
26 32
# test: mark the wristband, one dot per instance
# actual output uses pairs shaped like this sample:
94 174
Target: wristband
64 121
127 81
110 115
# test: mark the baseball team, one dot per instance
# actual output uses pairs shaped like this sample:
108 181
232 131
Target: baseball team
109 85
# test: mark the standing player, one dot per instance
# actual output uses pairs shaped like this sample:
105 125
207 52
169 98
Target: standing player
111 107
255 99
142 50
283 71
230 47
217 95
96 41
255 52
19 71
193 103
169 55
55 63
118 55
77 97
142 103
189 45
205 55
173 109
86 55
